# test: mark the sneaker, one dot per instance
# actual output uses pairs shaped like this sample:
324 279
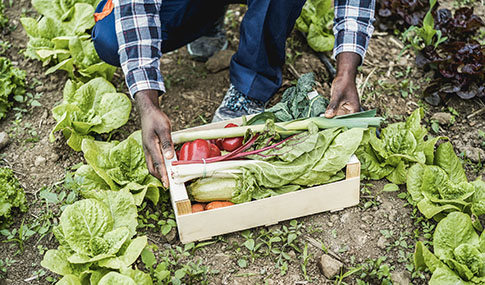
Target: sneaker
215 40
235 104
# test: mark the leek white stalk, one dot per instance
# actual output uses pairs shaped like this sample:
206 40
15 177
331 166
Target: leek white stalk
286 128
186 172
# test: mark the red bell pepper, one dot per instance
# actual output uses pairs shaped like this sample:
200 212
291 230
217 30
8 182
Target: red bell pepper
230 144
198 149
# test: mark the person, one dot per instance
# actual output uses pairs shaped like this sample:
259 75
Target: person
134 34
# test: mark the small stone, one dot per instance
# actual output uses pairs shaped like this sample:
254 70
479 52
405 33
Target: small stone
292 254
382 242
55 157
401 277
392 216
442 118
219 61
367 218
329 266
222 258
473 153
39 89
4 140
344 218
330 224
40 160
171 236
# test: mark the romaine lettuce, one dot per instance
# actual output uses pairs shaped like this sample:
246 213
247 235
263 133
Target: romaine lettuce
118 166
92 107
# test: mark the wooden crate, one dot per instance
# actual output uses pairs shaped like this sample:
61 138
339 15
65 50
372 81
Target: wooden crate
207 224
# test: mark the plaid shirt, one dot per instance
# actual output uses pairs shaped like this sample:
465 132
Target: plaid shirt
139 36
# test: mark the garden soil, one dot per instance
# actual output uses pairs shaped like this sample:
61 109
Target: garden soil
383 225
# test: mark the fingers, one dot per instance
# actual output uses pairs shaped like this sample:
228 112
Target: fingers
166 144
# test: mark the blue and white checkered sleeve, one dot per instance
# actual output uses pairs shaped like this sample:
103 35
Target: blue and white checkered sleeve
139 37
353 26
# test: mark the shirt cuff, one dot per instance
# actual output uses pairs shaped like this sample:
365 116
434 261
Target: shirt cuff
144 78
348 41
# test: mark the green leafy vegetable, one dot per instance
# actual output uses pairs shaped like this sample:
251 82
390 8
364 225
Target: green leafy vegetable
400 146
94 233
60 37
12 196
307 159
316 20
91 107
118 166
12 83
295 103
458 256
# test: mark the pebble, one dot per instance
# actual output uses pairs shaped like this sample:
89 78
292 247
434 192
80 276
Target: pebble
4 140
329 266
171 236
382 242
401 277
442 118
40 160
473 153
219 61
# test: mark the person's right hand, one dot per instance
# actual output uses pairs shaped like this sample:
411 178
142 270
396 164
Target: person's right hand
156 134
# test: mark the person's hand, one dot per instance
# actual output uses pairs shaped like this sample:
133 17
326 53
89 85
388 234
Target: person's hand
344 97
156 134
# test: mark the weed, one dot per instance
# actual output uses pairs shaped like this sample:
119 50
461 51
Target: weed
18 236
4 264
375 271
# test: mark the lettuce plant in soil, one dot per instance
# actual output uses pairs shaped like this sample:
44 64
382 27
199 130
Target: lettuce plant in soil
118 166
399 146
12 83
459 252
316 21
60 37
94 107
12 197
443 187
96 241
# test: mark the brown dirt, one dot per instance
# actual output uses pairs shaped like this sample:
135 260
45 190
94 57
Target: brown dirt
193 95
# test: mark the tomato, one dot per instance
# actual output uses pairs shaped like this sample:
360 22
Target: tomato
230 144
198 149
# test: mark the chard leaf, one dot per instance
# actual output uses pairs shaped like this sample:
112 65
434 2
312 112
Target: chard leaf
446 238
449 162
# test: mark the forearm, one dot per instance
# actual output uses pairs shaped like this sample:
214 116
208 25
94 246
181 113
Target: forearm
347 63
147 100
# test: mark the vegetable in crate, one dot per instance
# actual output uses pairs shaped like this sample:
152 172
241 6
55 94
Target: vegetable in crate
198 149
230 144
309 158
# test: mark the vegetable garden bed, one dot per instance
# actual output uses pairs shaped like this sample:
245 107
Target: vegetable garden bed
204 225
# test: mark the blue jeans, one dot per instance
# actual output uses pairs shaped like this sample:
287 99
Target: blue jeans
255 69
